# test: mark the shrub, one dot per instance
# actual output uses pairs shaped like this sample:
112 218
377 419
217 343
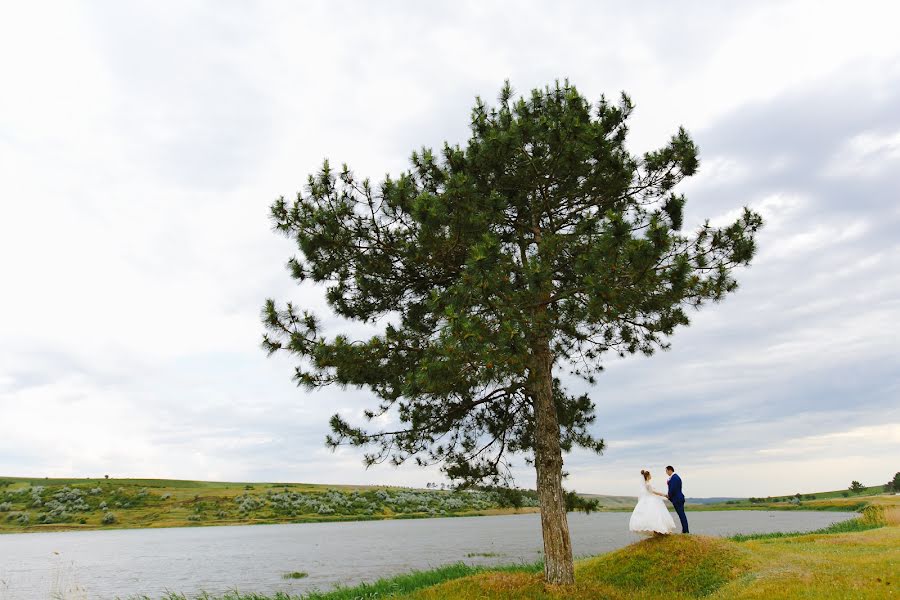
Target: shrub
576 502
248 502
5 506
509 497
109 518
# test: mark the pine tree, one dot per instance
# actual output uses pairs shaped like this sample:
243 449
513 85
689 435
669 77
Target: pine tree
542 244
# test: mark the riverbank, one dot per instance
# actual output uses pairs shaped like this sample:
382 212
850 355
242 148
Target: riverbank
859 559
32 505
861 564
41 504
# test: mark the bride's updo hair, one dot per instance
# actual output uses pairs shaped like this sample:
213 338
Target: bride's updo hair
646 474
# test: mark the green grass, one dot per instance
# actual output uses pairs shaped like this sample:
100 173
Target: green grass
694 565
388 587
417 580
849 526
807 501
26 503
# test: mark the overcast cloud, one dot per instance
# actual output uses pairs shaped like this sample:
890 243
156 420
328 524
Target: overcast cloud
142 143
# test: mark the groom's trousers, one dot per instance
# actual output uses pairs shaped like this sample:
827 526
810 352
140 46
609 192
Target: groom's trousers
679 508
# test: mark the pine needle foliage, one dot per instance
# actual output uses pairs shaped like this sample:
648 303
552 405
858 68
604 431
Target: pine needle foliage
540 244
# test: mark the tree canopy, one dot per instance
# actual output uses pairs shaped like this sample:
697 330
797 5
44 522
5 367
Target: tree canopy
542 242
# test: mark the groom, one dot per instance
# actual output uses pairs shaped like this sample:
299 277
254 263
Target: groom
676 497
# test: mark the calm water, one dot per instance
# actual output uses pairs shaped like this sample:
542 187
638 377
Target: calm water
121 563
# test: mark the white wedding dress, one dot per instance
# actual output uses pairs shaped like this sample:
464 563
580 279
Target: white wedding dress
650 515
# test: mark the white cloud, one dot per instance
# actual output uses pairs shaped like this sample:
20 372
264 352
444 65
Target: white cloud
141 145
861 440
866 154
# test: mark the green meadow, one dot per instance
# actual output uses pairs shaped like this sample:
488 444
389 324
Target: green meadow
30 504
48 504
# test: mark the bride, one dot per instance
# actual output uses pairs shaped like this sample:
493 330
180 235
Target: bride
650 515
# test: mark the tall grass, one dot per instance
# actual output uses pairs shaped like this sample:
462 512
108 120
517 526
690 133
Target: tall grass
403 584
383 588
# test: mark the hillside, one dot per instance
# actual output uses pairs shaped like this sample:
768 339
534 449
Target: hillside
832 500
41 504
28 504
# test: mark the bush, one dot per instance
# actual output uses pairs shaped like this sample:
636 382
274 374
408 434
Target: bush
509 497
575 502
109 518
5 506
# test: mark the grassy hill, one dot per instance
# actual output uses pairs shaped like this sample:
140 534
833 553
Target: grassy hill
41 504
833 500
613 502
29 504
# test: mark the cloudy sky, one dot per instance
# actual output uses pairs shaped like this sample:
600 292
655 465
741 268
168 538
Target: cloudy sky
141 144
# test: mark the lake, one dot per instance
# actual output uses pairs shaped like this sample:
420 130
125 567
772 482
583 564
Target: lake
120 563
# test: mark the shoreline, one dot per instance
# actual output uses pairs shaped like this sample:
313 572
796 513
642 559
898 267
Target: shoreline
75 527
694 565
29 505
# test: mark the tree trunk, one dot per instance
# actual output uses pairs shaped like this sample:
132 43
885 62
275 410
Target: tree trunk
559 567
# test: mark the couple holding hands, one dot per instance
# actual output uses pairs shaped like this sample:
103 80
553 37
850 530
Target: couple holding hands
651 515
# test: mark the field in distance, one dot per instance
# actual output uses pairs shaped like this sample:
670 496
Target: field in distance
42 504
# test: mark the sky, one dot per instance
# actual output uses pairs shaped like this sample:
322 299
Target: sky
142 143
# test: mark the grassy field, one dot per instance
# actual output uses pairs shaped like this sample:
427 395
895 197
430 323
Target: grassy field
41 504
834 500
28 504
814 501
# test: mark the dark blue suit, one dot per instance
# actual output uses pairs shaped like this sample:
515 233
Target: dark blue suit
676 497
